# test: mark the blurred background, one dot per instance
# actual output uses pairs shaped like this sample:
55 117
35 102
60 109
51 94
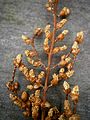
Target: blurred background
19 17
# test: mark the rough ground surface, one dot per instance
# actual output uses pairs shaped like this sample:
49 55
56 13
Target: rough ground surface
22 16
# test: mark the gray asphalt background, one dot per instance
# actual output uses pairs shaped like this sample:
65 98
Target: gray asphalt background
19 17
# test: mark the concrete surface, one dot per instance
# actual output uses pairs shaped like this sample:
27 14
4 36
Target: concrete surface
22 16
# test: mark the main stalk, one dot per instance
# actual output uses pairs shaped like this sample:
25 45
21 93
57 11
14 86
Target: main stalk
49 58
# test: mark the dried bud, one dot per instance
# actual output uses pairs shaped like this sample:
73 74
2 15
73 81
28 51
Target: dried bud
26 113
37 85
75 90
54 80
30 53
41 75
62 70
19 58
61 23
57 49
75 93
24 96
37 63
66 85
37 93
46 46
79 37
47 104
31 73
75 48
67 108
47 28
62 117
64 12
38 31
69 73
16 85
70 66
62 35
64 47
30 87
27 40
74 117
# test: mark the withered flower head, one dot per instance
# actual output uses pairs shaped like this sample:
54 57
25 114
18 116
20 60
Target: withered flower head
66 85
75 93
38 31
64 12
80 37
61 23
27 40
55 79
19 58
75 90
24 96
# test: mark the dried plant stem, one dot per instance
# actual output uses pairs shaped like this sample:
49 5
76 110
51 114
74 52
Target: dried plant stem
75 106
49 60
13 74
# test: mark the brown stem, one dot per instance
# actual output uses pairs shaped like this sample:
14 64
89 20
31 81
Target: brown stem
49 61
66 96
13 75
74 109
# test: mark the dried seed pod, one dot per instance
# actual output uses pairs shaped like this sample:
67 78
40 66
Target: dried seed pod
64 12
30 53
69 73
75 49
75 93
37 85
17 60
67 108
24 96
16 85
47 104
74 117
30 87
41 75
57 49
66 86
62 117
35 110
38 32
79 37
70 66
55 79
37 63
53 111
26 113
27 40
64 60
61 24
62 35
46 46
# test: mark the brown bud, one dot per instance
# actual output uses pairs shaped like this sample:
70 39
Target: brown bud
75 93
24 96
80 37
38 31
64 12
16 85
27 40
67 108
61 23
74 117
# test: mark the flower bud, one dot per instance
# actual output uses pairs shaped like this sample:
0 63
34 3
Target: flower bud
64 12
